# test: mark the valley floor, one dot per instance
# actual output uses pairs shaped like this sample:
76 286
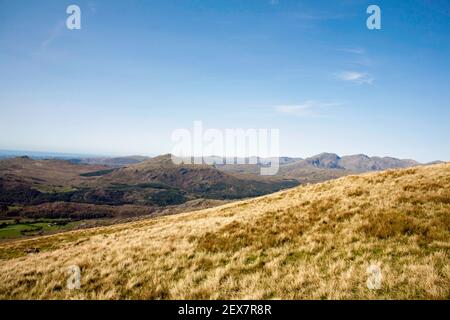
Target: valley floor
310 242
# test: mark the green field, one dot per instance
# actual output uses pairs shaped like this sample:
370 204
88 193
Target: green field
11 229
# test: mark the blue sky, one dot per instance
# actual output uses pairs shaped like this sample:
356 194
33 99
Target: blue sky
137 70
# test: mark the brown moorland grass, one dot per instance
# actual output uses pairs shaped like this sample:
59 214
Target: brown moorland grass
313 242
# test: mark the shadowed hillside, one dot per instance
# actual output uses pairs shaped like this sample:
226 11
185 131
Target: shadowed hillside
313 241
199 180
63 193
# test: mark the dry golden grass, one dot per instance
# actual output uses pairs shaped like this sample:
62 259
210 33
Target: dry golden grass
313 241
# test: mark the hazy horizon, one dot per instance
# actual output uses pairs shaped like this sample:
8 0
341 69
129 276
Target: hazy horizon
50 154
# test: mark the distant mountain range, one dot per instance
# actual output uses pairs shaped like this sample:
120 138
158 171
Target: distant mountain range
318 168
104 188
354 163
327 166
63 189
324 166
357 163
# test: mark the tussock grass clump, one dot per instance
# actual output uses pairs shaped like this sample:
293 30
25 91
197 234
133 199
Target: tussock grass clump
399 223
314 242
269 230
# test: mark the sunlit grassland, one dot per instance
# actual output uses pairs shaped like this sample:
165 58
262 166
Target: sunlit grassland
309 242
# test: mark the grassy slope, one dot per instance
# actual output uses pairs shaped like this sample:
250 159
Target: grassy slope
308 242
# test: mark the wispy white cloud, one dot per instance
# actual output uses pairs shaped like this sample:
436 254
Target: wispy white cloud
53 34
358 55
354 50
307 108
355 77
